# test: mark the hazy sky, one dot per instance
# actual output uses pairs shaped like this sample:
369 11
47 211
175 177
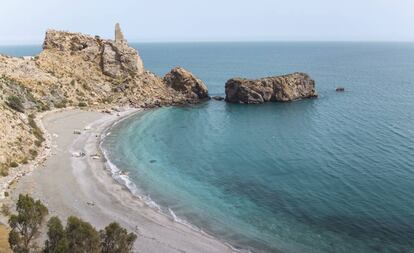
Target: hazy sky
25 21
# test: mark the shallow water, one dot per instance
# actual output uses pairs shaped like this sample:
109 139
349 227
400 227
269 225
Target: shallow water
333 174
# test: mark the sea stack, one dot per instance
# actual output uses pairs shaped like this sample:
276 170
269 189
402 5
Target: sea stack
284 88
185 82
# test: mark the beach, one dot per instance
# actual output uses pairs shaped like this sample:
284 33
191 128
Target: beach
73 180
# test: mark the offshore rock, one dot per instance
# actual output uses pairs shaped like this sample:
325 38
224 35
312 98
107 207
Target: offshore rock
218 98
270 89
182 80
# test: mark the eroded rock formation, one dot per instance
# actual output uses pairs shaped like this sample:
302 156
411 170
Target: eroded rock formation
182 80
270 89
116 58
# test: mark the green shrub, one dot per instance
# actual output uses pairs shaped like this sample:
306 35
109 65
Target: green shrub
61 104
25 161
77 236
116 239
26 223
14 164
85 86
5 209
15 103
37 132
42 107
82 104
56 241
82 236
33 153
4 172
38 143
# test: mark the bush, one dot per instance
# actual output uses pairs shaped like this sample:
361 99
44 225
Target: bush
4 172
5 209
15 103
42 107
82 104
25 160
37 132
33 153
61 104
14 164
38 143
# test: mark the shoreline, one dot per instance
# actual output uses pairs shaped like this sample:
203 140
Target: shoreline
123 179
69 184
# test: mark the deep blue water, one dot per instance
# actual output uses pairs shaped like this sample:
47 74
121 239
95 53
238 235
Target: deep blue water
333 174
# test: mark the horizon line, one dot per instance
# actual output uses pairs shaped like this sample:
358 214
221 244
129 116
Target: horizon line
234 41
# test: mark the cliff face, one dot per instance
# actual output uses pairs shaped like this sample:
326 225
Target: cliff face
19 135
76 69
270 89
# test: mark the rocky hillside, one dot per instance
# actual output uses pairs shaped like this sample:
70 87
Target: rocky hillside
79 70
270 89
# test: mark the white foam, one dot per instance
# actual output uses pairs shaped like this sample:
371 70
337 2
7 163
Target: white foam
124 180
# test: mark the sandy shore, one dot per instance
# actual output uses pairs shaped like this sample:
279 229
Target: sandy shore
82 186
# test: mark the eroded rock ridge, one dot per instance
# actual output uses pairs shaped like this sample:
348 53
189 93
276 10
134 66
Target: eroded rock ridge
270 89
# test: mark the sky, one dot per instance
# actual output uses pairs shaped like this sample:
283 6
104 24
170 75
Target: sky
25 21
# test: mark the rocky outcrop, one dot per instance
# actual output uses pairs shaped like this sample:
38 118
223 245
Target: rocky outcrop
79 70
116 58
182 80
218 98
19 135
120 61
270 89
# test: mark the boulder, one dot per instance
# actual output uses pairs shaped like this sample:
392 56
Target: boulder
270 89
185 82
218 98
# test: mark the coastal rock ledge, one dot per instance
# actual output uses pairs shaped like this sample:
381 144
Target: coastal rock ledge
284 88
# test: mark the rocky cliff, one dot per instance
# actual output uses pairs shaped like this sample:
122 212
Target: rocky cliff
79 70
185 82
270 89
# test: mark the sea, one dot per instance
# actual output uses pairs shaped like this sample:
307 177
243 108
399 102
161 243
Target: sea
333 174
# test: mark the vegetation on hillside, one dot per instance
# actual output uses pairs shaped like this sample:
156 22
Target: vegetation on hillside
77 236
15 103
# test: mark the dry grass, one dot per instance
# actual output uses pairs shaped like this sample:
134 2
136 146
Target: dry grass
4 236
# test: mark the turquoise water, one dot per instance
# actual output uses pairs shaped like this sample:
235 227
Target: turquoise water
333 174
